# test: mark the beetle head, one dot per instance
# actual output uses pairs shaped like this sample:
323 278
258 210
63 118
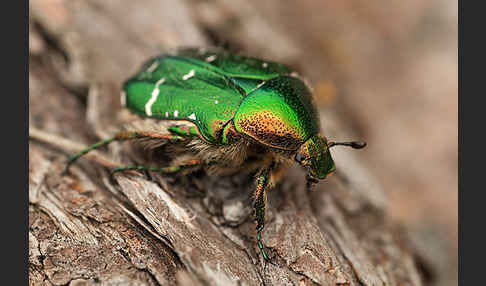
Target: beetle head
315 156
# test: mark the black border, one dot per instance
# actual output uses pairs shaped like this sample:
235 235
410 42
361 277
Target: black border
463 279
14 28
471 122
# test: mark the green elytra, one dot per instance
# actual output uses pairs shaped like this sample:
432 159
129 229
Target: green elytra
225 96
186 87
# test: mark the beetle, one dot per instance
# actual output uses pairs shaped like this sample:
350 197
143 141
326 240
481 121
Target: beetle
227 109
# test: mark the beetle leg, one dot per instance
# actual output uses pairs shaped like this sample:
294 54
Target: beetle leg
185 131
122 136
259 204
310 182
165 170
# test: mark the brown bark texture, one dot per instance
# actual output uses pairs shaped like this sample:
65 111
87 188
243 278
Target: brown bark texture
88 227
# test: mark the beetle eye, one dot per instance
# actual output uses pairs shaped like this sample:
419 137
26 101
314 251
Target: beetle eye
299 157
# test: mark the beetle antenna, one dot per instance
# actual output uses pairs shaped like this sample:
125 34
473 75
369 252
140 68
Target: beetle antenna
352 144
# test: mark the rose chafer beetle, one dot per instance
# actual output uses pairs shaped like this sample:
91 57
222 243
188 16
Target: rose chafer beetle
226 110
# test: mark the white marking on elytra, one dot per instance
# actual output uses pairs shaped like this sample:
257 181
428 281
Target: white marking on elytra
216 102
265 65
166 114
257 87
123 98
211 58
192 116
176 113
189 75
152 67
155 93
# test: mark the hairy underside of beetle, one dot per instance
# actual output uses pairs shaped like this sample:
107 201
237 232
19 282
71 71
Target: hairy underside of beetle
244 155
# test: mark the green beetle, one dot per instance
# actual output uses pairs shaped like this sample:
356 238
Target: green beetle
227 108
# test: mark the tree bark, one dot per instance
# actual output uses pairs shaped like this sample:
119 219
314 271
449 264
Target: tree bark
89 227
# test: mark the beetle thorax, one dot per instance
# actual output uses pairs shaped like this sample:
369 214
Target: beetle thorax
279 114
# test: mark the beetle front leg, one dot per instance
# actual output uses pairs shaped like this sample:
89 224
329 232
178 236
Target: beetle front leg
259 205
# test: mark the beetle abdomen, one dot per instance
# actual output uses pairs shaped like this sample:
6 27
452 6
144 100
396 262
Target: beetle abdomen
279 114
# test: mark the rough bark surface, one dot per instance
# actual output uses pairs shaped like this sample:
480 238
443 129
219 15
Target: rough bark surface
87 227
